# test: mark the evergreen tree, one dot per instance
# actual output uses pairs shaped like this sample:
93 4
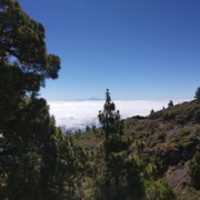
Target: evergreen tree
118 166
110 118
170 104
30 146
197 94
152 112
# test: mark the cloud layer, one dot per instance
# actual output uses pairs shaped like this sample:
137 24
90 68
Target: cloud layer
78 114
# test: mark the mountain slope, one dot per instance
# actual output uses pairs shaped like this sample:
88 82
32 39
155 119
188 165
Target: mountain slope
165 143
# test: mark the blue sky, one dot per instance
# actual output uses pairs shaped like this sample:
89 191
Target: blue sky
140 49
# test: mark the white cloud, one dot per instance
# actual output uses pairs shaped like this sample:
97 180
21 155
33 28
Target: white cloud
78 114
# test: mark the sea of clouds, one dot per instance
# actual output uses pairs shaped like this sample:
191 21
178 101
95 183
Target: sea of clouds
78 114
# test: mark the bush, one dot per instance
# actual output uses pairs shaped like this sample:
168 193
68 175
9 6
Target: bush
194 167
158 190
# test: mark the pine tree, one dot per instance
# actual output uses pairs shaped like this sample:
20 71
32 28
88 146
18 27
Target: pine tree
152 112
197 94
118 166
110 118
29 151
170 104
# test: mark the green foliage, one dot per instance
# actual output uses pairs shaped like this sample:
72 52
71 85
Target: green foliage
121 179
152 113
121 176
156 148
194 167
110 119
31 146
158 190
180 113
170 104
197 94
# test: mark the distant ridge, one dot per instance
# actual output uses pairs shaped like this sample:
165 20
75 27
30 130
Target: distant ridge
95 99
86 99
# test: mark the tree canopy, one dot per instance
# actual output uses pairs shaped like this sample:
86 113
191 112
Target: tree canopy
36 160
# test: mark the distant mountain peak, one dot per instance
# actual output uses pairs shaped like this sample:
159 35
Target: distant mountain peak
95 99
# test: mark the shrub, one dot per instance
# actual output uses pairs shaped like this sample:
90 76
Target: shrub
158 190
194 167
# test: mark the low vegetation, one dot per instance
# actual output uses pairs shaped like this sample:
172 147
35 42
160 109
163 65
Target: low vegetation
163 152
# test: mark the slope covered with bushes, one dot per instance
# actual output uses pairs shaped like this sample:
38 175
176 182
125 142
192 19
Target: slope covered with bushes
164 147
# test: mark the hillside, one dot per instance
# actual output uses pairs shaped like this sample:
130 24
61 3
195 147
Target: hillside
165 143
